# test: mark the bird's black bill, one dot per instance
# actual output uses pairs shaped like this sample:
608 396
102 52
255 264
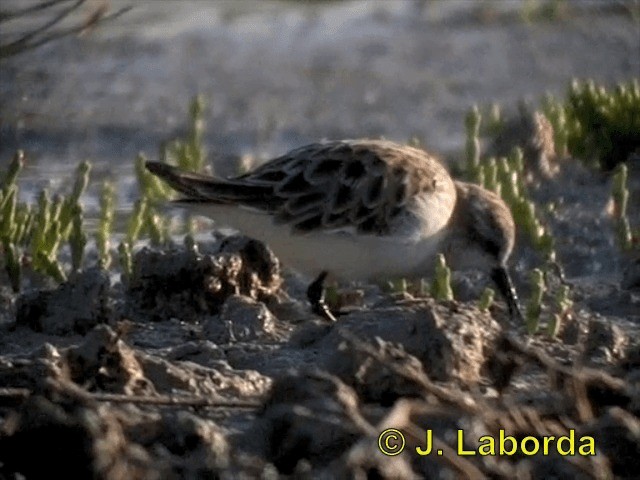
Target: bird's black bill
501 278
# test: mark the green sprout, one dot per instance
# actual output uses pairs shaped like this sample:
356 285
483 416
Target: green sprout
472 148
516 162
157 226
73 216
14 170
105 224
486 299
534 307
524 214
620 195
136 221
69 205
194 138
36 232
441 286
150 186
399 285
491 176
603 126
508 179
14 219
43 238
495 122
126 262
8 213
13 265
562 305
189 154
24 224
77 238
10 223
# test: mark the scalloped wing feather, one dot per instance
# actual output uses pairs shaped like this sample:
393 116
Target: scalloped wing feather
366 186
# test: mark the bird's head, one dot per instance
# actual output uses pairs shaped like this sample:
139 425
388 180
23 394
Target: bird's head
482 236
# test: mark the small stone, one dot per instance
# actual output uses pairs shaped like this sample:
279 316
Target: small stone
241 319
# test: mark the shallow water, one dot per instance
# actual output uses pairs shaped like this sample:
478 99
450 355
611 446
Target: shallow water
280 74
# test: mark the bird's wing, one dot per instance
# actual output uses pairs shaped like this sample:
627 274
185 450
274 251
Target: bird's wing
357 186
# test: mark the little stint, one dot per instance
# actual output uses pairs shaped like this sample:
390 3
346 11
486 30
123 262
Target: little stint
359 210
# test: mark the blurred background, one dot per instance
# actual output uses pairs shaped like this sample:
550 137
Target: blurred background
97 80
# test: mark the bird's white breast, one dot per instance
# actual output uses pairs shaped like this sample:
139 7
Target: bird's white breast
344 255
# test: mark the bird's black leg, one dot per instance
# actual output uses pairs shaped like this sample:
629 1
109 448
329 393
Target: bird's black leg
315 294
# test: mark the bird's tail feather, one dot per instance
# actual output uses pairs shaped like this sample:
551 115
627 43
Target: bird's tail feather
205 188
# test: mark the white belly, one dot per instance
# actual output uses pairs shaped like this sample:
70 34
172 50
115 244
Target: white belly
345 256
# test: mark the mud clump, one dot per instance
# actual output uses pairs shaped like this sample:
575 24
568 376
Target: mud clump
183 410
73 437
311 416
185 283
384 378
104 362
448 344
618 434
196 447
238 392
76 306
605 341
241 319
